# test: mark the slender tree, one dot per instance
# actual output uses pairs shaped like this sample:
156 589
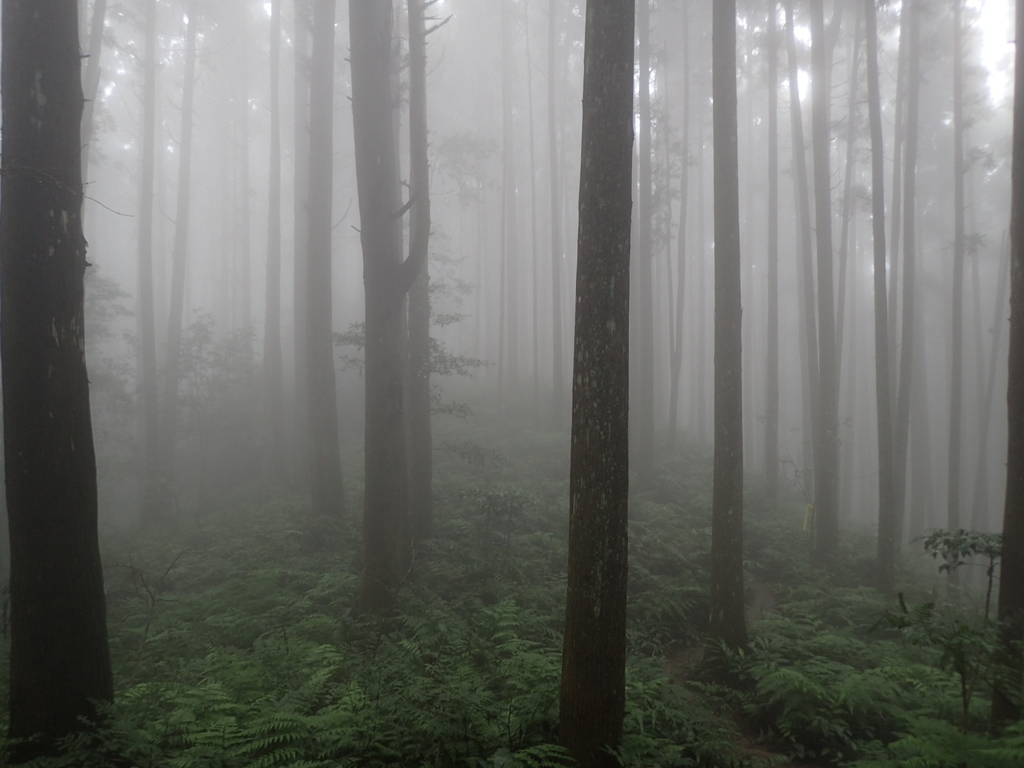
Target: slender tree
387 550
300 241
826 472
957 305
888 525
593 688
326 491
771 432
726 624
1007 693
273 363
91 81
421 508
557 362
60 664
172 369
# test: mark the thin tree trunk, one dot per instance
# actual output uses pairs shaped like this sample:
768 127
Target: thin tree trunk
888 525
899 117
848 198
510 203
771 433
91 82
593 686
957 301
534 256
826 500
557 355
421 467
326 491
179 256
300 244
273 363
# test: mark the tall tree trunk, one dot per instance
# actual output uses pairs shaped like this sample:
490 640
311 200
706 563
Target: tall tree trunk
300 243
899 118
172 370
510 202
702 314
244 234
386 536
771 432
726 624
848 194
273 364
557 361
593 687
957 302
1006 699
676 352
888 525
980 516
908 341
326 491
91 82
421 508
154 491
59 663
806 263
534 255
826 480
643 395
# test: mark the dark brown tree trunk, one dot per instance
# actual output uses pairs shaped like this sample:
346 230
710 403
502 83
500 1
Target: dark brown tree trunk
642 458
888 525
908 340
557 361
957 301
1006 699
169 426
771 432
421 467
593 689
59 664
386 536
727 624
826 474
326 491
806 263
273 365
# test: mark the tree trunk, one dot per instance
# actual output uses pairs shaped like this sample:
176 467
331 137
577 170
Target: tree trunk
726 624
169 427
888 524
59 663
826 480
806 263
421 508
1006 699
957 302
908 330
326 491
593 687
300 245
771 432
91 81
386 535
510 203
642 458
848 198
557 361
154 502
273 365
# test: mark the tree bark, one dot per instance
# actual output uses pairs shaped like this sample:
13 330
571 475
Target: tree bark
771 432
386 536
727 625
91 82
557 355
275 455
300 467
421 508
826 479
957 302
593 686
326 490
59 664
179 255
1006 699
888 524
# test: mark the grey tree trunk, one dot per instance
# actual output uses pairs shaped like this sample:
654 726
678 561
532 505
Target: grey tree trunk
771 431
91 81
957 301
557 356
301 439
726 624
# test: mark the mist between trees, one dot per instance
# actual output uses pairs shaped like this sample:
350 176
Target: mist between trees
324 237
